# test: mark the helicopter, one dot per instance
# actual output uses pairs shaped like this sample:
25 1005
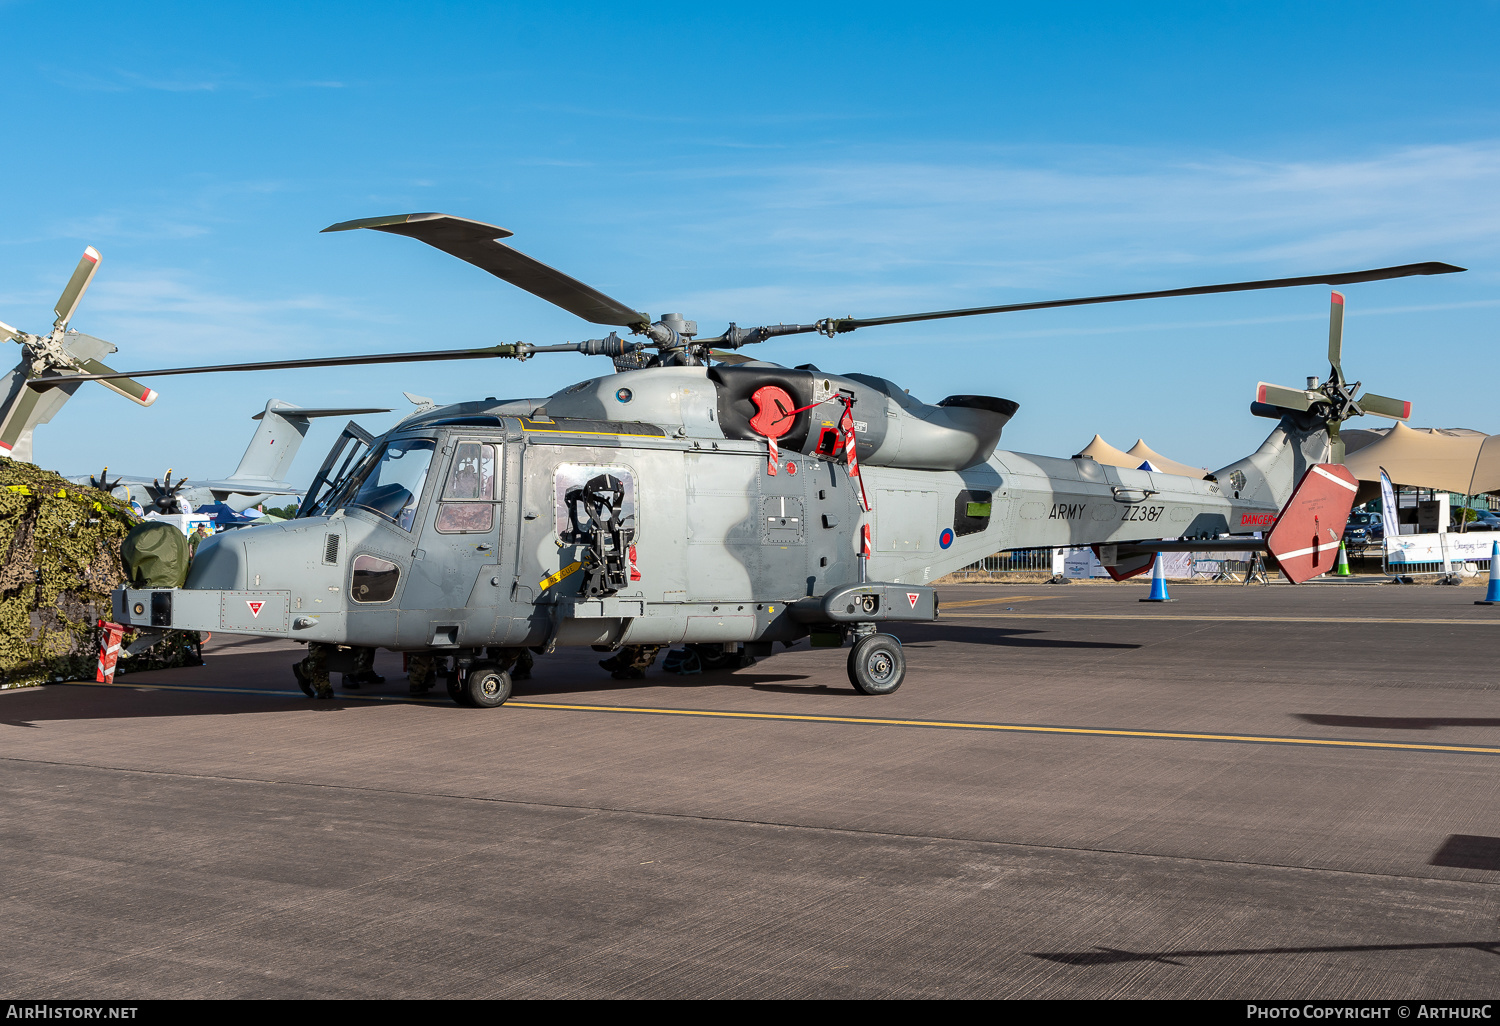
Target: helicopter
694 496
61 353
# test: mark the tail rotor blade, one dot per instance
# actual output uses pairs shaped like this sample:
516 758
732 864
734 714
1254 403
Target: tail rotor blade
1336 443
77 286
1336 335
1290 398
132 390
1384 406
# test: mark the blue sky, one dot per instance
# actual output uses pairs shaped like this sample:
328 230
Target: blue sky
785 162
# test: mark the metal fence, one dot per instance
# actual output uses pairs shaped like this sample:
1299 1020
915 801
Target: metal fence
1017 561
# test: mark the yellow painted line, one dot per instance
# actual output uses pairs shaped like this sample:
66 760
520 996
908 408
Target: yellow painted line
995 601
1015 728
1347 621
873 721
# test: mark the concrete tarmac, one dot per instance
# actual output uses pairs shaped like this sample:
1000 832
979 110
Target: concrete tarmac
1250 792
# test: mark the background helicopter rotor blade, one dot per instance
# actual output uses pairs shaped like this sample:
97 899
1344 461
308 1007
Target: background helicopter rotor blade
834 326
1280 395
476 243
132 390
107 375
1336 335
1384 406
77 285
19 416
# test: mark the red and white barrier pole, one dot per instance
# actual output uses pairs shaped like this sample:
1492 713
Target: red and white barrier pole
110 635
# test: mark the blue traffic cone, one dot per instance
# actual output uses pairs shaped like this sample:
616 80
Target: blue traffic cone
1492 596
1158 582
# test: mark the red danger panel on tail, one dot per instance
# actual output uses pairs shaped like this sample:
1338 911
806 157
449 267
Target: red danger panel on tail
1305 540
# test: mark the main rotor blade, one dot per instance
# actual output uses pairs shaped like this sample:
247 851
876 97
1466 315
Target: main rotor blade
475 242
41 384
1384 406
1336 334
67 303
836 325
1279 395
7 332
132 390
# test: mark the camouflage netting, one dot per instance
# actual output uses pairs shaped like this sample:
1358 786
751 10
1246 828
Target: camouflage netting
62 546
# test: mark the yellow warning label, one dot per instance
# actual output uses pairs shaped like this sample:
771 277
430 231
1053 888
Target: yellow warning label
552 579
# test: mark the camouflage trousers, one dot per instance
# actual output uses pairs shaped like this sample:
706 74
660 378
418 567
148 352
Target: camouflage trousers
421 671
312 671
631 662
515 661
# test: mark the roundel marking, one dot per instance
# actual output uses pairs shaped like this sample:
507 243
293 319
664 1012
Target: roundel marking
946 538
624 395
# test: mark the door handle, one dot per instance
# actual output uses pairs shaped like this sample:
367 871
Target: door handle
483 547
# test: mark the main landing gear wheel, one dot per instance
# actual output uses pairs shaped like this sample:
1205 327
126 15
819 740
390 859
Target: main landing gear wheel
877 665
485 686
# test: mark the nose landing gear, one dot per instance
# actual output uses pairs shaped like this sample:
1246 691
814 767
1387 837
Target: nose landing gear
877 666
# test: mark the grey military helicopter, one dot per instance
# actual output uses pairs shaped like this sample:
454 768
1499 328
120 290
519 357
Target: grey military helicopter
59 358
696 497
261 474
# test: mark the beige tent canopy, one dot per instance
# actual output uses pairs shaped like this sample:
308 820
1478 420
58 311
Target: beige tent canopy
1142 452
1448 459
1102 452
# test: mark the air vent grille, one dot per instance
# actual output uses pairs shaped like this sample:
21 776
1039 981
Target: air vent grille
331 550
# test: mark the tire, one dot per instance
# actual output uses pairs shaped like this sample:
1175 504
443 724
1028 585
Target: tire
877 665
486 686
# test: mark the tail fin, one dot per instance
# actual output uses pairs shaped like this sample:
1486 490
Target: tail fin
1299 442
282 428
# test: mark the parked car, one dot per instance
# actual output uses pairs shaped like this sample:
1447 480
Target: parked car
1484 521
1363 529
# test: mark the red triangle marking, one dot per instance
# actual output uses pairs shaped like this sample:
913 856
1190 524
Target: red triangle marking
254 608
912 597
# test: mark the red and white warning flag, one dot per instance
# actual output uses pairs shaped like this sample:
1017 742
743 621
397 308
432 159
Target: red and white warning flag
864 541
775 456
846 428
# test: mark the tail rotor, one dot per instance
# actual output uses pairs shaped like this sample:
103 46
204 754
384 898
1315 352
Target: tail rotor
1335 400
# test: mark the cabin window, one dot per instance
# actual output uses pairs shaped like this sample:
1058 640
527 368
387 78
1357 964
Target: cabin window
374 579
971 512
394 485
587 489
469 495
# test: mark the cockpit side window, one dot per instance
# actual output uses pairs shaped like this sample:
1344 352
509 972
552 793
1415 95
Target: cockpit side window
393 486
469 496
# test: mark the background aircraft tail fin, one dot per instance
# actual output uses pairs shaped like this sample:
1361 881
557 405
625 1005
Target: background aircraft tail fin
282 428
